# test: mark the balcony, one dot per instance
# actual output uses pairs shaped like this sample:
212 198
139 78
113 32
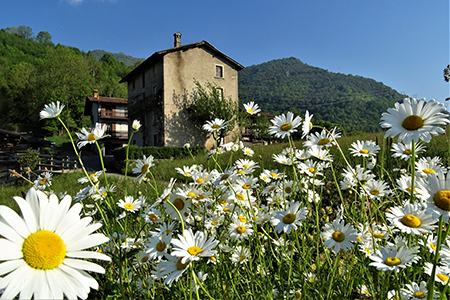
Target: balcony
109 114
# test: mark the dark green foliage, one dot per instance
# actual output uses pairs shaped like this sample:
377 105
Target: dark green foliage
35 72
136 152
353 101
120 57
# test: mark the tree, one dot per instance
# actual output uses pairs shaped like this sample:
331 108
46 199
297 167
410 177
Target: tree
209 103
22 31
43 37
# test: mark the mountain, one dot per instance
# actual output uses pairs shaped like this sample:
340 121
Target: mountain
286 84
120 57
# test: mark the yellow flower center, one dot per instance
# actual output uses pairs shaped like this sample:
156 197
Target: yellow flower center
298 295
43 181
288 190
240 197
285 127
378 235
442 277
181 266
323 142
419 295
153 217
200 180
392 261
408 189
359 239
274 175
411 221
242 257
246 166
413 122
191 195
194 250
407 152
240 229
428 171
312 170
242 219
144 168
128 206
374 192
144 259
91 137
187 173
363 151
241 171
442 200
289 218
338 236
214 223
250 111
226 209
247 186
225 176
216 126
178 203
43 250
433 246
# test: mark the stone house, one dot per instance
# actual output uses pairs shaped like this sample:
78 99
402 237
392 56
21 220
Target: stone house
114 113
160 89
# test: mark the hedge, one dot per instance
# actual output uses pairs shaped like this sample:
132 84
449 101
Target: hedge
137 152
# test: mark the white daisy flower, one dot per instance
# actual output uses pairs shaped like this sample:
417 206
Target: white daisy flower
414 120
238 230
94 177
248 151
240 255
322 139
424 169
86 137
252 108
306 125
438 189
215 125
41 252
284 125
442 273
129 204
375 189
392 258
404 150
412 219
339 235
289 218
44 180
192 247
415 291
282 159
143 166
51 110
364 148
171 270
156 246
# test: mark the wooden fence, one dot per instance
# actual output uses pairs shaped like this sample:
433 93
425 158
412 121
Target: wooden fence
47 162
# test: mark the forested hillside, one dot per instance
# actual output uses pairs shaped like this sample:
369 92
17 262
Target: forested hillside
353 101
34 72
120 57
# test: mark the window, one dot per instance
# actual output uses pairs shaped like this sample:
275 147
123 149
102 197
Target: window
220 92
219 71
155 90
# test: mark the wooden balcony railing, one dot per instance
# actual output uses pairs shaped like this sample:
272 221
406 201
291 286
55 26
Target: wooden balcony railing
113 115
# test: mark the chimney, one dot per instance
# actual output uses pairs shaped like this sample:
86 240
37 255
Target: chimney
96 94
177 39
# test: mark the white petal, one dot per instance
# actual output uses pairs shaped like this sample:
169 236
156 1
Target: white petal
14 282
88 242
9 233
10 250
88 254
72 216
10 265
14 221
28 213
83 265
83 277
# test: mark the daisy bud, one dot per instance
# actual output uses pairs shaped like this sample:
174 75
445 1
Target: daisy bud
136 125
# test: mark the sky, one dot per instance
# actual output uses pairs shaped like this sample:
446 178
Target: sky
402 43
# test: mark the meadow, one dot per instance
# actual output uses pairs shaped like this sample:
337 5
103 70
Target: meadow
325 217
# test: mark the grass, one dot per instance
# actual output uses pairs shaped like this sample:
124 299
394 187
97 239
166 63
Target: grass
277 263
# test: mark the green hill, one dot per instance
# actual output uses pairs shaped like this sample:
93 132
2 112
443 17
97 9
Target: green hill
120 57
280 85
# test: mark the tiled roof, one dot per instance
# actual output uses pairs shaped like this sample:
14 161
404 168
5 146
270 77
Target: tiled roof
107 99
161 53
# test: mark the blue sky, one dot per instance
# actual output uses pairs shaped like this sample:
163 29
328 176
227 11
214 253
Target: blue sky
402 43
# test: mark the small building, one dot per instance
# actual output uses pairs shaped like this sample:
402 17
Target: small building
161 88
114 113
